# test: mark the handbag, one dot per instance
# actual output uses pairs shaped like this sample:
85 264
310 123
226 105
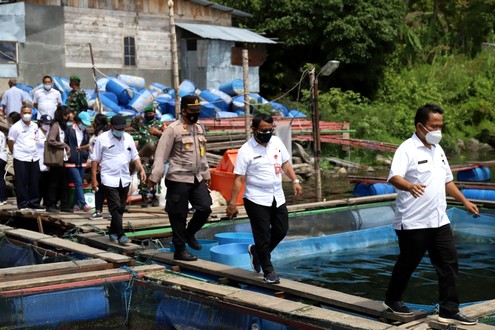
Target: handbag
53 157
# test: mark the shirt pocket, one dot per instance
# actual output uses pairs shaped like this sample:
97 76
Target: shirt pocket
187 144
424 171
202 145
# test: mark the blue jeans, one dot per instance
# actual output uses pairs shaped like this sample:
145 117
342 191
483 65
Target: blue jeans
76 175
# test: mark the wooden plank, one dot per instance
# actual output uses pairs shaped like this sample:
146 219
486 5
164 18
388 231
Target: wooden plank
310 317
434 324
84 249
102 242
480 309
68 278
52 269
302 290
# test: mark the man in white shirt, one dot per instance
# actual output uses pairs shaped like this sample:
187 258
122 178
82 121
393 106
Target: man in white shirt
114 150
13 98
47 99
421 174
260 163
22 143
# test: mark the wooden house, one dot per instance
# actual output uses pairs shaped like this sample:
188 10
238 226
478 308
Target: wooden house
40 37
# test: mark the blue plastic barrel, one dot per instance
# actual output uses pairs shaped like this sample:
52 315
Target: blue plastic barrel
208 110
225 97
25 88
187 87
165 103
362 189
204 253
66 83
239 113
126 112
122 90
132 81
232 88
142 99
58 84
481 194
160 88
234 237
102 83
215 100
109 105
167 117
111 96
232 254
478 174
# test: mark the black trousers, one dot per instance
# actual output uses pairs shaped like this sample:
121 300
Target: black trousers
116 200
99 198
43 186
178 196
3 185
269 225
26 184
57 188
440 244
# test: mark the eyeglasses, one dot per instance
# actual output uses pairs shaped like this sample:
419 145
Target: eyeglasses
266 131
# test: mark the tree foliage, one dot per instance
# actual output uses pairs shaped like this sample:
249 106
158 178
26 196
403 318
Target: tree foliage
360 34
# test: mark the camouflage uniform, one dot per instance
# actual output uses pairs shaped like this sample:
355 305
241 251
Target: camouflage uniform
76 100
147 143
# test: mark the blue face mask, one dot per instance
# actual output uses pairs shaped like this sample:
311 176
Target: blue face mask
69 124
47 87
82 127
117 134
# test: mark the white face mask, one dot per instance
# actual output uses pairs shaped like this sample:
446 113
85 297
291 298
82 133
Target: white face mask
26 117
46 127
433 137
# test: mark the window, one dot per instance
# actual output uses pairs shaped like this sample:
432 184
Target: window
129 51
8 52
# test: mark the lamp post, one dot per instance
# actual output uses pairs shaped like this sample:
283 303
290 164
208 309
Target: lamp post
327 70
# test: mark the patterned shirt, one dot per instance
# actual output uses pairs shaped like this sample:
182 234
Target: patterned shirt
142 127
76 101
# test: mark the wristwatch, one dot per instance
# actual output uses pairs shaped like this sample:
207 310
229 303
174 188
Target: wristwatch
296 181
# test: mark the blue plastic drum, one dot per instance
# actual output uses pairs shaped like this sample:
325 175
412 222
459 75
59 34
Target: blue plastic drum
234 237
232 254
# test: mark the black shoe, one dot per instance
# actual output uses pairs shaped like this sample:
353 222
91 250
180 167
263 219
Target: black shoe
51 209
193 242
457 318
272 278
144 204
184 255
397 307
154 201
255 263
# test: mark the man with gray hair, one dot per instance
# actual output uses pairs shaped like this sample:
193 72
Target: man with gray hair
13 98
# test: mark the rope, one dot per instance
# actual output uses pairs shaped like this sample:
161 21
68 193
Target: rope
128 292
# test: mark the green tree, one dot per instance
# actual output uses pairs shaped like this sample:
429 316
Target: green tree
360 34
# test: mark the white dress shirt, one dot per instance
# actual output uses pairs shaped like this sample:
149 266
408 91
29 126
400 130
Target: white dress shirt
262 167
418 164
24 137
47 101
3 147
114 157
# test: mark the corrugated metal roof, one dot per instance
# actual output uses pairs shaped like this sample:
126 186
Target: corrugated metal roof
221 8
228 33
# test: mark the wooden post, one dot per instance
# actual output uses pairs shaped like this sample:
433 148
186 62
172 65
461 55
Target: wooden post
175 62
313 82
97 91
245 78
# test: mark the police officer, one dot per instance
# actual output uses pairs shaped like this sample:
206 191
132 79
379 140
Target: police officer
183 145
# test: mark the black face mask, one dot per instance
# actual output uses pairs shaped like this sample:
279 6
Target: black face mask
264 137
149 119
192 117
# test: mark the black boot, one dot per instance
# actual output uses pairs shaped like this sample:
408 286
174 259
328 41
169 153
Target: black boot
144 200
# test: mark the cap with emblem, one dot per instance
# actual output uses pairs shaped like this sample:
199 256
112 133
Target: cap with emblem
190 102
149 108
75 79
46 119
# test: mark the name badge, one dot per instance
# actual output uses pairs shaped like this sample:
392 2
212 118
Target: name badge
423 161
